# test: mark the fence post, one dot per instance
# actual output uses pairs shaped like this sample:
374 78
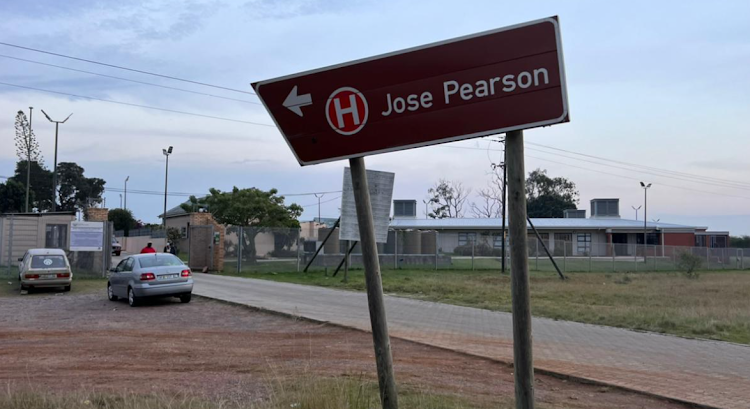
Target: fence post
10 245
708 258
537 255
240 239
395 249
436 250
472 255
300 245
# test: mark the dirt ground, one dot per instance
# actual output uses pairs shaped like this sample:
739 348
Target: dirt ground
83 342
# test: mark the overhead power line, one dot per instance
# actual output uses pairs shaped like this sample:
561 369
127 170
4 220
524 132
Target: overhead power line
614 174
129 80
325 201
187 194
691 175
126 68
138 105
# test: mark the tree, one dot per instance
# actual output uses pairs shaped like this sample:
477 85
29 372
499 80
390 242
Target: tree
549 197
254 208
27 149
739 241
40 194
122 220
491 198
12 196
77 192
447 199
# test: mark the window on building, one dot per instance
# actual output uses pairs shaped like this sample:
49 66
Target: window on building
700 241
497 240
652 239
583 243
718 241
465 238
56 236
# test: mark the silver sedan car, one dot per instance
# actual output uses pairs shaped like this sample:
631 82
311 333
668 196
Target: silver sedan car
150 275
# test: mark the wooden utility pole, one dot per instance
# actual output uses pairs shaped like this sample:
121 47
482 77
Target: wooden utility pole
523 362
381 340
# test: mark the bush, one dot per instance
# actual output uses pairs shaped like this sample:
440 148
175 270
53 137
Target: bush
689 263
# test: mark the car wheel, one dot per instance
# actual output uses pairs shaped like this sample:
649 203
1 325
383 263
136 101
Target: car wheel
111 293
185 298
25 288
133 301
67 288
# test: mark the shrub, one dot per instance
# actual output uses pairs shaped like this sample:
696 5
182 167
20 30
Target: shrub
689 263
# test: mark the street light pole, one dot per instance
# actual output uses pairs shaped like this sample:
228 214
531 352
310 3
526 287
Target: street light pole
166 153
54 170
126 193
645 217
319 197
636 211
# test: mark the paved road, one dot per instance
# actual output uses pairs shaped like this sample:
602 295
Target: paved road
715 374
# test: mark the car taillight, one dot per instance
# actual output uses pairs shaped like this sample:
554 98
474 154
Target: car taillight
63 275
32 276
147 277
186 273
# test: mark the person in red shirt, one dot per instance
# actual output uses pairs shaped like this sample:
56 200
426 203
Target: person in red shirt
148 249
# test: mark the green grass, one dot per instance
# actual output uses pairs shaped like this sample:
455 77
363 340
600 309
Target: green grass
11 287
715 306
317 393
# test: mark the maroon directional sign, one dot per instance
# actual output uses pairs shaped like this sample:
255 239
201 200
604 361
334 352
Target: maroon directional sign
487 83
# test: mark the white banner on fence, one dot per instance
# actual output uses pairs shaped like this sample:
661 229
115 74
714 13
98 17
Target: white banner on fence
86 236
380 185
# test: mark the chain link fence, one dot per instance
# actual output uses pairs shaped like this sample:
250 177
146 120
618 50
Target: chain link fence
255 249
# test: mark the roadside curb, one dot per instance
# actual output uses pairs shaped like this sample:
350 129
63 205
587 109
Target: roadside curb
551 373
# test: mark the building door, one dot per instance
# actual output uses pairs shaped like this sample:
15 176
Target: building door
201 247
620 240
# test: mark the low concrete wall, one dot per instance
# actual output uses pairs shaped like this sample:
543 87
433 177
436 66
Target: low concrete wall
133 245
386 260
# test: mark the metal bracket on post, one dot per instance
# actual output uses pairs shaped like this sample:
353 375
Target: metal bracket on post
322 244
371 262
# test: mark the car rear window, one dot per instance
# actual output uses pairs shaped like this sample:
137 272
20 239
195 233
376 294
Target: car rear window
50 261
159 260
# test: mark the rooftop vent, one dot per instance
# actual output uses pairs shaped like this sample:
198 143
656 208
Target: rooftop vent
404 209
574 213
605 208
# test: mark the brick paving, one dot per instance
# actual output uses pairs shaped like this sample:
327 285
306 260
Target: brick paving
710 373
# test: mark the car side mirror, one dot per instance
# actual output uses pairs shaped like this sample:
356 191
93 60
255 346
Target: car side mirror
113 270
20 259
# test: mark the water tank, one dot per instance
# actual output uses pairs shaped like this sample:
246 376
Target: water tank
332 245
428 242
412 242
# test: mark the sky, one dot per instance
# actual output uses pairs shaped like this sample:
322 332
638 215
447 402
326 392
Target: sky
659 87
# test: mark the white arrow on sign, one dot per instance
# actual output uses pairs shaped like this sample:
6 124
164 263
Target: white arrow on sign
295 102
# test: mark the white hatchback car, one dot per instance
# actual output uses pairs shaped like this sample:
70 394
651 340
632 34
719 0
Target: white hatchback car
44 268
